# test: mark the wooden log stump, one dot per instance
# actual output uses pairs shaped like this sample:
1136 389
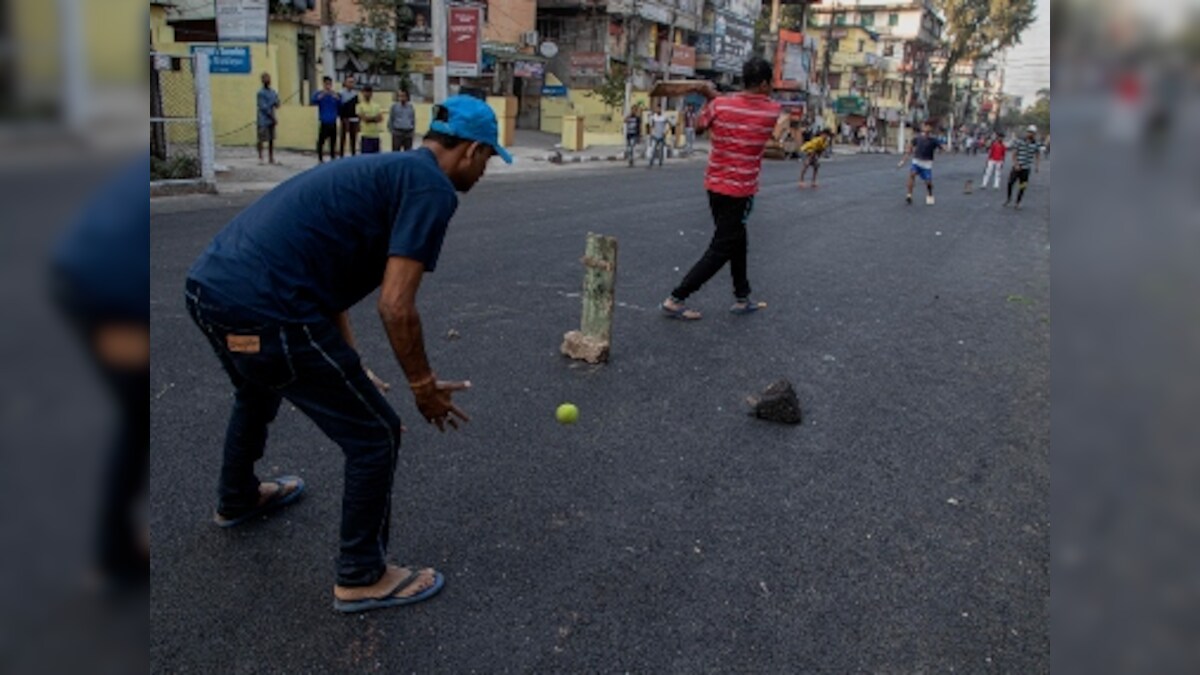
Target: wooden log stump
593 340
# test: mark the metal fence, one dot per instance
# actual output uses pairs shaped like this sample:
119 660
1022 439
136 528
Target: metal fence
181 142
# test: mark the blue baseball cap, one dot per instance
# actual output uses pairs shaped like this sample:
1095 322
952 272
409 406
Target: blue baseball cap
470 119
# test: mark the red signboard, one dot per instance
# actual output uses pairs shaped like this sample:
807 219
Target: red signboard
463 41
792 62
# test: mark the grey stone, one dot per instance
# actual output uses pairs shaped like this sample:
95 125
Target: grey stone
776 403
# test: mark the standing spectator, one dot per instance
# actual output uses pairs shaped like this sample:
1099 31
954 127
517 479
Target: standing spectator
348 113
995 163
328 102
268 102
633 133
656 126
689 127
741 125
371 115
402 121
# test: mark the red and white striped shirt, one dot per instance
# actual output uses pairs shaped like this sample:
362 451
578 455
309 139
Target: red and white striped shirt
740 126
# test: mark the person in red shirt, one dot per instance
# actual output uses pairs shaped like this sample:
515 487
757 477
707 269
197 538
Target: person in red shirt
995 162
739 126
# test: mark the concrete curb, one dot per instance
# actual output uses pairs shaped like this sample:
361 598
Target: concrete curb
170 188
554 158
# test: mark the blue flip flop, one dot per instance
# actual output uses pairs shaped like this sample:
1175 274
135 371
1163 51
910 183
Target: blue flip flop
680 314
276 501
746 306
390 599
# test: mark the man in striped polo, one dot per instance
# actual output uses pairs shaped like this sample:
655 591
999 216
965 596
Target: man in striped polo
740 126
1027 153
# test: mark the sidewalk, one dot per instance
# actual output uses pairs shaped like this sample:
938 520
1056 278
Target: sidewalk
238 168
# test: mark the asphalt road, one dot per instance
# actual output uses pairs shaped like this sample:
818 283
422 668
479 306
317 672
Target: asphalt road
904 527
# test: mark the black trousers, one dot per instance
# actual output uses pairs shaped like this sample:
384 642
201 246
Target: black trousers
728 245
1021 176
328 132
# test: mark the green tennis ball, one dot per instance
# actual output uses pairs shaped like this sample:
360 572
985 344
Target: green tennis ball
567 413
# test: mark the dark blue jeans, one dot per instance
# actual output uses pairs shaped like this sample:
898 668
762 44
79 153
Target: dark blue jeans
311 366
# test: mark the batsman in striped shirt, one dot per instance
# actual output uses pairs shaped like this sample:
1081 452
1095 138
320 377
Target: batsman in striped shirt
739 125
1027 153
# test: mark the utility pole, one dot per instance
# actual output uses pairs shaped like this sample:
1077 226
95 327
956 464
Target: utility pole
910 57
441 88
670 55
328 64
772 42
970 91
630 42
825 67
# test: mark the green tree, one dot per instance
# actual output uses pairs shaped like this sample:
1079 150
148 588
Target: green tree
611 91
978 29
1039 112
374 39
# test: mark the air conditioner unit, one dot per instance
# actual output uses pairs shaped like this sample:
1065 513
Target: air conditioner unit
529 38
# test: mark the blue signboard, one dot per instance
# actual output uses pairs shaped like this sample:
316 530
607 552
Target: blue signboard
225 60
554 90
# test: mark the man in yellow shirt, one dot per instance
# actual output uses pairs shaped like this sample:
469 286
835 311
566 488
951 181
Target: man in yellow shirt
371 115
812 154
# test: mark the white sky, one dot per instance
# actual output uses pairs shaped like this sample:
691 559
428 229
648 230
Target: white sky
1029 62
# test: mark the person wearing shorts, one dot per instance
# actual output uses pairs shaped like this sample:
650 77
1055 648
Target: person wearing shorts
266 104
921 152
813 150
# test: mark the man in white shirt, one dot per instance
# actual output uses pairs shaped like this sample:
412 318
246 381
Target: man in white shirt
656 126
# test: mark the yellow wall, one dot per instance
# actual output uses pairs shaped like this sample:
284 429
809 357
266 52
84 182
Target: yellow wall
115 41
286 72
35 27
160 32
577 102
297 127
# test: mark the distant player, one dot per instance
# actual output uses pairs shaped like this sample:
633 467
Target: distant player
995 162
922 149
1027 153
813 149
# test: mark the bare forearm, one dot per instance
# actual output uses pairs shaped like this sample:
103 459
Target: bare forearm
403 327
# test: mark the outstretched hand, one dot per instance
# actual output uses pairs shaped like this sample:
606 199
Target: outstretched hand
434 402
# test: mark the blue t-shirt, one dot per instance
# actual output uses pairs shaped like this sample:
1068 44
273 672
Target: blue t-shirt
327 106
104 256
268 100
924 147
319 243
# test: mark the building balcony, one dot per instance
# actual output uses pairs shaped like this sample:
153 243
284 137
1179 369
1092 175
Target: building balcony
856 59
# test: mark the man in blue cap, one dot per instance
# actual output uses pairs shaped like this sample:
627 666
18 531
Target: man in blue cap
271 293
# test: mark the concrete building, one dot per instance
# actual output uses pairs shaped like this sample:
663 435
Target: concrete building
901 36
296 57
971 83
649 40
